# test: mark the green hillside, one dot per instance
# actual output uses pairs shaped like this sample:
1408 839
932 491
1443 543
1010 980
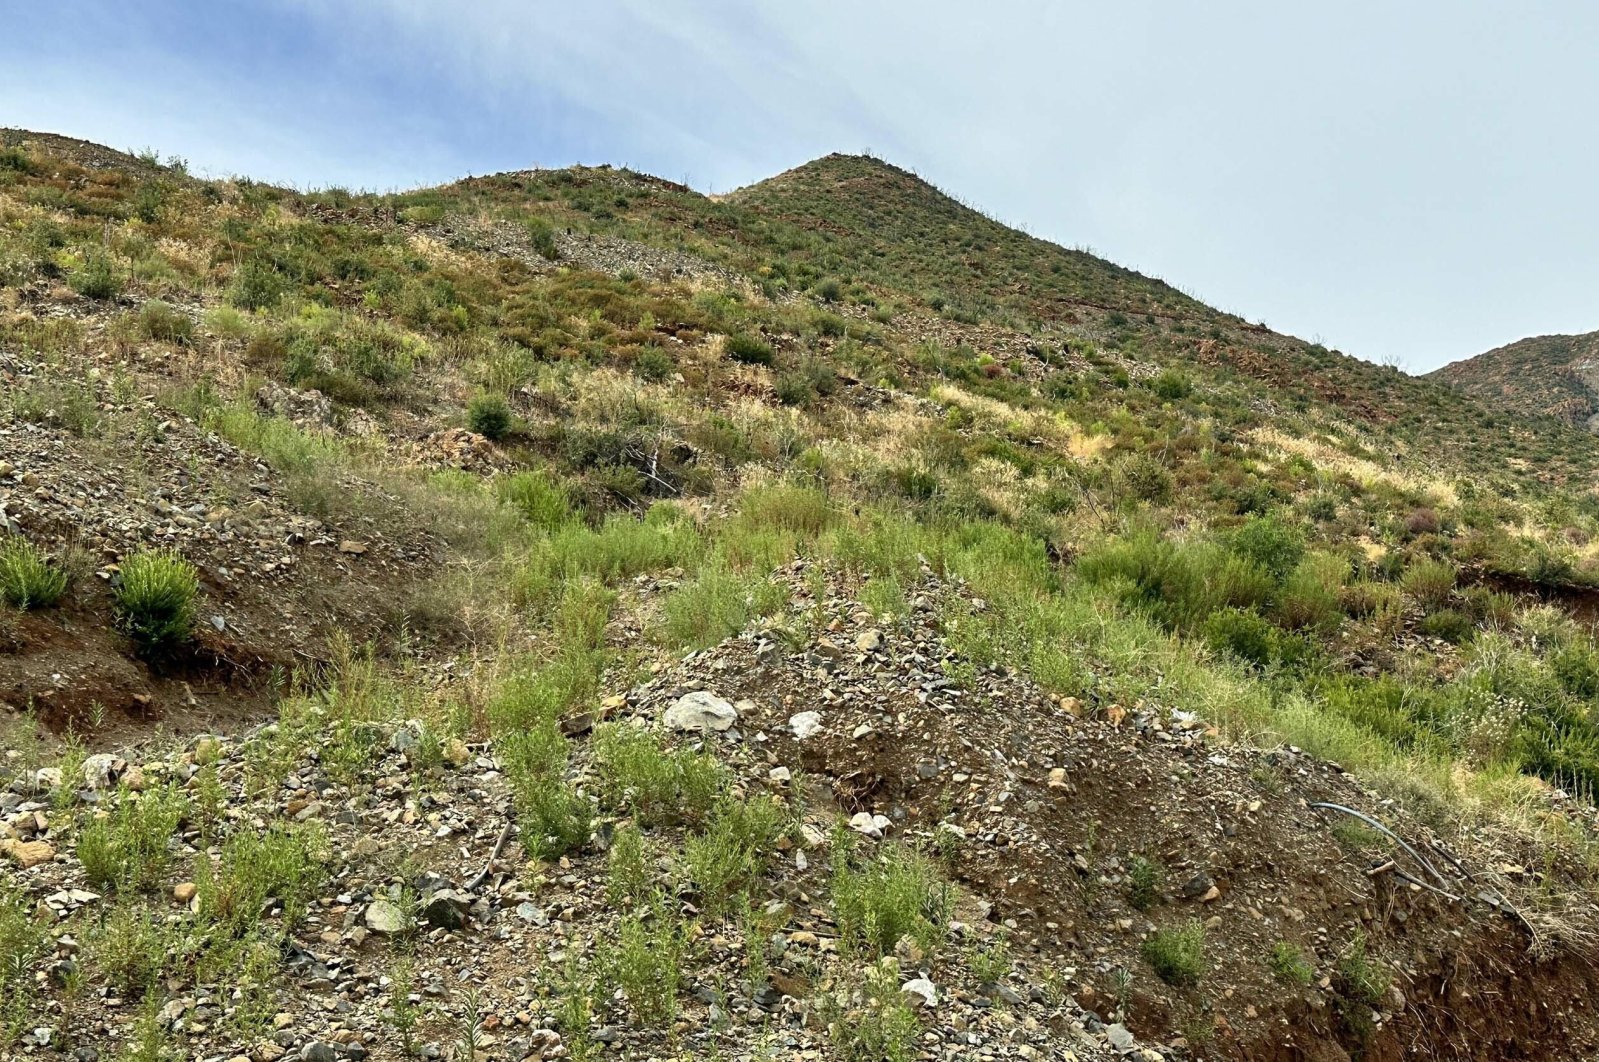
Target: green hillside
434 504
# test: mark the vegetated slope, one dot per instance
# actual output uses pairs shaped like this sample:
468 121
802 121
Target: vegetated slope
1541 376
890 225
1033 606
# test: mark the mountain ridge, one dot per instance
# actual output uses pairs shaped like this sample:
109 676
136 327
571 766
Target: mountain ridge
1555 376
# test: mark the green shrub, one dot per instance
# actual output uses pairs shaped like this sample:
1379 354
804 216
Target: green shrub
1267 542
1308 598
749 349
653 364
1182 585
22 939
646 963
542 235
1143 478
281 867
1177 955
155 599
27 579
97 278
555 818
660 785
256 285
1360 977
716 604
1577 668
15 160
1171 385
1143 883
134 949
128 849
1430 582
734 848
1446 623
897 894
1288 963
540 500
830 290
163 322
884 1029
1244 634
489 416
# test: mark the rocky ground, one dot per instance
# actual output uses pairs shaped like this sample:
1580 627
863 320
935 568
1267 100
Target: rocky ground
1038 810
91 468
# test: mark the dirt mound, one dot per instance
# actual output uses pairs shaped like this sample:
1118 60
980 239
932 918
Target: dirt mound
90 473
1091 834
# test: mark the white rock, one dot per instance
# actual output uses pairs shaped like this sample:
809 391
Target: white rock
780 774
869 824
805 724
921 992
701 710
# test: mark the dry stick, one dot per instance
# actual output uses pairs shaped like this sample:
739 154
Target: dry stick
1400 841
499 846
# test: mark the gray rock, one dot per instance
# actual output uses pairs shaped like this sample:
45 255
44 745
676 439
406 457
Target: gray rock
1119 1038
99 770
317 1051
383 916
446 909
702 711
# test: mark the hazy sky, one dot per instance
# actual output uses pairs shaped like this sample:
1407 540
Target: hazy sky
1412 182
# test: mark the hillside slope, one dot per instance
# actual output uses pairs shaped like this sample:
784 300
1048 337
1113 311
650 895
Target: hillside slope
561 615
1541 376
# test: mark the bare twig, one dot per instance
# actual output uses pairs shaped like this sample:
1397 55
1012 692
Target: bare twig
499 846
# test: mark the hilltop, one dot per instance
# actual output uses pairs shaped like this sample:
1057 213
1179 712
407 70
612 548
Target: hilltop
560 614
1541 376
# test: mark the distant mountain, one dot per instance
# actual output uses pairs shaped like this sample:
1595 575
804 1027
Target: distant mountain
1541 376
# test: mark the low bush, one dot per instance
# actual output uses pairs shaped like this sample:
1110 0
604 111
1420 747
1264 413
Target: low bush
156 599
1430 582
128 849
660 785
646 963
489 416
1289 964
734 848
163 322
97 278
1177 955
541 501
897 893
27 578
1143 882
749 349
280 867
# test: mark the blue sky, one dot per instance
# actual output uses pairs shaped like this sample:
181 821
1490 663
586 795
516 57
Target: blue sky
1405 182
